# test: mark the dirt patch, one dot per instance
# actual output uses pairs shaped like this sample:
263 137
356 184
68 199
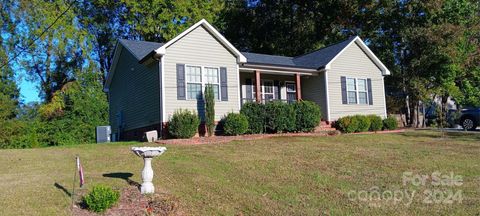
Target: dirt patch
225 139
132 203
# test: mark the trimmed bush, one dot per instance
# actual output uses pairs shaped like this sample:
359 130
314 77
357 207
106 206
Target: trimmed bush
347 124
307 115
363 123
209 109
255 114
101 198
376 122
184 124
235 124
390 123
280 117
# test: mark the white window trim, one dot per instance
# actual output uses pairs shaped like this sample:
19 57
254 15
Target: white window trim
287 91
262 88
362 91
203 81
357 91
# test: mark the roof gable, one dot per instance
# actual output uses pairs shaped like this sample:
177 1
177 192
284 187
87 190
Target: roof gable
318 59
240 57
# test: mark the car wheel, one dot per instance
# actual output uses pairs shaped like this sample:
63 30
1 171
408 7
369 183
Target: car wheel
469 124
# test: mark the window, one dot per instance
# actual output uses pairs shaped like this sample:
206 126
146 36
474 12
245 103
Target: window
194 82
266 90
362 91
196 79
357 91
212 77
351 91
291 91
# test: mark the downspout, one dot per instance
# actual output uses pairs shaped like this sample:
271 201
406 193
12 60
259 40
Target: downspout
327 95
159 58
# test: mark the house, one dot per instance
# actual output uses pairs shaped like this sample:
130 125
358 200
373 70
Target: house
148 81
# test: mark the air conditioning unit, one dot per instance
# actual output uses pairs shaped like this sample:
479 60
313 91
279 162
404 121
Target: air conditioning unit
103 134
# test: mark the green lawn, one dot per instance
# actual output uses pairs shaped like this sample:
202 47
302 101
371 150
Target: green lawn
277 176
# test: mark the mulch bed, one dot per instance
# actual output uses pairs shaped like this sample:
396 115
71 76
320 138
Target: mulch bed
132 203
225 139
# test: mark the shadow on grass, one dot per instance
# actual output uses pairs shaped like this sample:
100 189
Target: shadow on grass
124 176
62 188
460 135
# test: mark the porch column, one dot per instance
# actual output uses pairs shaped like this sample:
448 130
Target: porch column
258 95
298 87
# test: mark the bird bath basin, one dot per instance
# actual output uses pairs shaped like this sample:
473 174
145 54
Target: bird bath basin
148 153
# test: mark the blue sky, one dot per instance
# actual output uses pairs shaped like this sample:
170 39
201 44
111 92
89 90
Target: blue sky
28 90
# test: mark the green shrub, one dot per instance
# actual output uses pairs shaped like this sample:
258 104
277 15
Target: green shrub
255 114
184 124
347 124
209 109
307 115
363 123
235 124
280 117
101 198
390 123
376 122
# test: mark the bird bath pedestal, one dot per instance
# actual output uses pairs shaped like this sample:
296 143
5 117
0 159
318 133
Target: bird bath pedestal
148 153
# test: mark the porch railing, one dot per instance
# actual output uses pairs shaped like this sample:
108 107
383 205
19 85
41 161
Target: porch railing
263 101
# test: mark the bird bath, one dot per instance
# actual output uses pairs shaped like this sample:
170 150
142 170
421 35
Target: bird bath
147 174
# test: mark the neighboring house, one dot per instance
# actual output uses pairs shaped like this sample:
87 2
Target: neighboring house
149 81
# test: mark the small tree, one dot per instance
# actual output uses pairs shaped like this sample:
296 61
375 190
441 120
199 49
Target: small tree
209 109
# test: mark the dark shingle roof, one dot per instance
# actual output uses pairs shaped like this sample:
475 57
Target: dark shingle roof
140 49
314 60
320 58
256 58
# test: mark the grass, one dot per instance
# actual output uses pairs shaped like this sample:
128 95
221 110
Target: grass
277 176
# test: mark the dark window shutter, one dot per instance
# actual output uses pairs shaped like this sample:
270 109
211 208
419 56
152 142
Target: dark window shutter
223 84
248 89
343 80
181 82
276 89
370 96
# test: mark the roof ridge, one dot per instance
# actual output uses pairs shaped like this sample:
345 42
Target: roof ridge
268 54
313 51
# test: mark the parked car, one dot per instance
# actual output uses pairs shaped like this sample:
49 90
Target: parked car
470 118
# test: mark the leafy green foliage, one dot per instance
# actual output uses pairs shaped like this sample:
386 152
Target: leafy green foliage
307 115
235 124
256 115
101 198
209 109
280 117
184 124
390 123
347 124
376 122
363 123
162 20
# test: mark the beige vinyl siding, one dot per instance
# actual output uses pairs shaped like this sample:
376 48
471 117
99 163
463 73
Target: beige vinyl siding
354 63
199 48
281 78
134 91
313 89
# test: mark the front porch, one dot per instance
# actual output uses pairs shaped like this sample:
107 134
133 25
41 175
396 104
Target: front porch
274 85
